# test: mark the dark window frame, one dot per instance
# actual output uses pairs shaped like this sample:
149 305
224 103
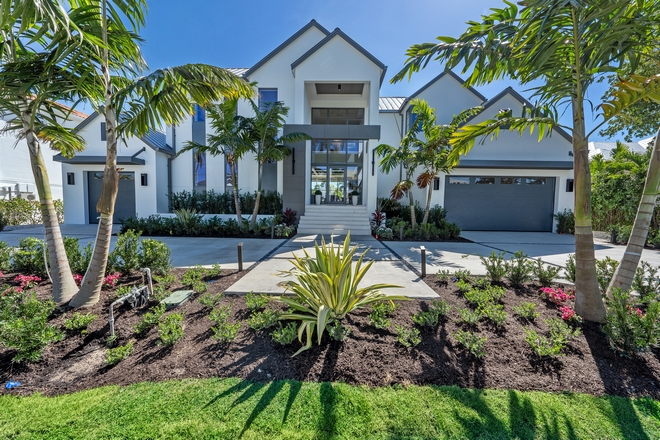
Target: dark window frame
348 117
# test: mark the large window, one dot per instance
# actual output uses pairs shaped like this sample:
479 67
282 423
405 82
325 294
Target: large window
199 157
266 96
337 169
338 116
412 118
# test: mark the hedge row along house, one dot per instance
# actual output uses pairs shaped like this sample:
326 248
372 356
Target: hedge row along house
332 86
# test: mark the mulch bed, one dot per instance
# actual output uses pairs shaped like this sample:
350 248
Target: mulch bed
368 356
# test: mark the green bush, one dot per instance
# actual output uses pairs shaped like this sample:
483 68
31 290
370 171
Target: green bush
149 319
6 252
3 222
170 329
225 332
125 258
24 325
605 269
495 266
560 334
565 222
210 301
29 258
469 317
431 317
463 286
256 302
622 233
327 288
220 315
519 269
155 255
489 294
546 274
79 322
443 276
79 259
211 202
118 354
408 337
646 281
285 335
264 319
380 313
628 328
472 342
338 332
526 310
494 313
569 272
19 211
462 275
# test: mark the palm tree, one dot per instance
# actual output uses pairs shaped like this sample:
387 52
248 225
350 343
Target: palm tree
434 148
566 45
229 139
163 97
264 129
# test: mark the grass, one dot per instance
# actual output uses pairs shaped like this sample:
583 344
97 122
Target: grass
232 408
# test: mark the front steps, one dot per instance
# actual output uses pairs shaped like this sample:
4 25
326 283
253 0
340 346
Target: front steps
335 219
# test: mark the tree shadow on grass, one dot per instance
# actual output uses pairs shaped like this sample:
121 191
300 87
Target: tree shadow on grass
522 417
486 425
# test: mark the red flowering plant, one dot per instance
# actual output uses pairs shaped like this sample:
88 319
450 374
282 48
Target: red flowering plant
561 298
77 278
27 281
110 280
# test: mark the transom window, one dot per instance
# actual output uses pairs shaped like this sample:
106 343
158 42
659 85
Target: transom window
338 116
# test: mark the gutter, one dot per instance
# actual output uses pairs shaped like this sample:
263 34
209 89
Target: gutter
169 170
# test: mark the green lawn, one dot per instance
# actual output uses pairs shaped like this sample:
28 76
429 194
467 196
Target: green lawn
231 408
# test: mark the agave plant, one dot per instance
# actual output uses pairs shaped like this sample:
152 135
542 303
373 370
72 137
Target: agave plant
327 290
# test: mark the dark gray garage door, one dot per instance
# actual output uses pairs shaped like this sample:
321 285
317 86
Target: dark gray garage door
500 203
125 205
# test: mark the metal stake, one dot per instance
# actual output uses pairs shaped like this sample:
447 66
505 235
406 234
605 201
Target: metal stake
240 256
423 249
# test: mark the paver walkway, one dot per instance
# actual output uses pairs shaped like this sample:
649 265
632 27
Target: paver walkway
387 268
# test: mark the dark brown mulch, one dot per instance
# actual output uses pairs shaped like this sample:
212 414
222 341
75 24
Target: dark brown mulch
368 356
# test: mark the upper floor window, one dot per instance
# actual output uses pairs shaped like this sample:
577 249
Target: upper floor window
338 116
103 131
200 114
412 118
266 96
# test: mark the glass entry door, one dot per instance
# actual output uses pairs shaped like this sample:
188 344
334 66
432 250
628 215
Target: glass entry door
336 170
336 185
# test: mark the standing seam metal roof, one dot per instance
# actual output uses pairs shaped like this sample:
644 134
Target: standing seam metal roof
390 103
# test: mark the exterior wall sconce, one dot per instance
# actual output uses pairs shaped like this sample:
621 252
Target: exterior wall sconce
569 185
70 178
143 179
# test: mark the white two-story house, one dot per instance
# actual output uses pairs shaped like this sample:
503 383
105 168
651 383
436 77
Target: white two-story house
332 86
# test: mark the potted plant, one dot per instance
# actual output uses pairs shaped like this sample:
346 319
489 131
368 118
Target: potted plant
317 196
354 197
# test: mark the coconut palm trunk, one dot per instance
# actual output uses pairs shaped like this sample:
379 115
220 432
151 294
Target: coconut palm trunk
625 272
255 211
237 203
64 287
588 302
411 201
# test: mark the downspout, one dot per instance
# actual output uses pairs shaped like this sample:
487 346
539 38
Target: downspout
169 171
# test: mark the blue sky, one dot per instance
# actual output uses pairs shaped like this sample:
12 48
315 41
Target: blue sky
240 33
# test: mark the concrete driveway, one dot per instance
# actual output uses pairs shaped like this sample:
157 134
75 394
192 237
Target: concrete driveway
550 248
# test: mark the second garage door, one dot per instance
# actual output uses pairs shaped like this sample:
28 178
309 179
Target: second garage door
500 203
125 204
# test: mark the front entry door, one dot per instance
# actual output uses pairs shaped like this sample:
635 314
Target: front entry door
336 185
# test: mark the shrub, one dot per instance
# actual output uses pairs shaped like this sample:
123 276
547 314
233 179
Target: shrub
495 266
149 319
220 315
79 322
289 216
264 319
431 317
540 345
472 342
225 332
462 275
6 252
284 335
338 332
24 325
546 274
380 312
166 280
557 296
256 302
565 222
170 329
210 301
627 327
526 310
327 288
29 258
469 317
110 280
443 276
3 222
155 255
519 269
408 337
646 281
494 313
463 286
125 258
123 290
622 233
605 269
79 259
569 272
19 211
118 354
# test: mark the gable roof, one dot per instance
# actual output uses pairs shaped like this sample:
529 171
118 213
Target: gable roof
156 140
283 46
390 104
436 79
339 33
517 96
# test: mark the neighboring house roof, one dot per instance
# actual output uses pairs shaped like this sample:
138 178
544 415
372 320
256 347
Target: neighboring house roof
522 100
436 79
238 71
156 140
339 33
283 46
69 110
605 148
97 160
391 104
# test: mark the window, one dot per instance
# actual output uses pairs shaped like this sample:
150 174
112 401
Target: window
535 181
459 180
436 184
200 114
103 131
266 96
412 118
338 116
199 171
511 181
70 179
484 181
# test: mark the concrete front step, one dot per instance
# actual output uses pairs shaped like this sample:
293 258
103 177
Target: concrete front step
323 219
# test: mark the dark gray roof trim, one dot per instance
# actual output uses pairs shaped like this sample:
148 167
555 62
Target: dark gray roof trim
282 46
156 140
510 91
97 160
349 40
517 164
430 83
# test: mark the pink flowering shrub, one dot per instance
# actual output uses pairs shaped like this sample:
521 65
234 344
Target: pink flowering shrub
111 280
77 278
27 281
561 298
568 314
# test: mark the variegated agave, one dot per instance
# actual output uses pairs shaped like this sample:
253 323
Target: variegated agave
327 290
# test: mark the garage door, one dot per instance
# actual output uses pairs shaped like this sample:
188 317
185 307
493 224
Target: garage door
500 203
125 205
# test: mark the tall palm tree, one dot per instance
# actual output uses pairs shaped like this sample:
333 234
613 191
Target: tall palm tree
264 131
567 45
229 139
434 147
164 96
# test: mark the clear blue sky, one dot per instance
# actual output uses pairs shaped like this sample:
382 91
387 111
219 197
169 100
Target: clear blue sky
240 33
